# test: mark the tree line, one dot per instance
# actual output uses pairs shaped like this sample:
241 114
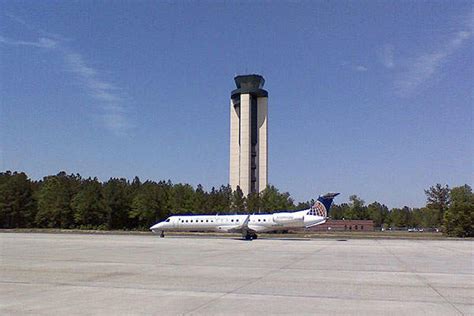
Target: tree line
70 201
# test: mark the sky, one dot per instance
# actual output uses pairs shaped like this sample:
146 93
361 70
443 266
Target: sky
373 98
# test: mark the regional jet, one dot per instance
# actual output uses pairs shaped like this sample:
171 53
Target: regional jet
250 224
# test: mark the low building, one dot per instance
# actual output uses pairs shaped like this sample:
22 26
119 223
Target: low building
345 225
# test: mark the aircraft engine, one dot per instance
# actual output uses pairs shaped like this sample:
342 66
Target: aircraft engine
287 218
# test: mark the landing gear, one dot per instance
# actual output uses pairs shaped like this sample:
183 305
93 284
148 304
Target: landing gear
162 234
250 236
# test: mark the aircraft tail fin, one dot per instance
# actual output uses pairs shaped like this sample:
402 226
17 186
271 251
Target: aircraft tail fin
323 204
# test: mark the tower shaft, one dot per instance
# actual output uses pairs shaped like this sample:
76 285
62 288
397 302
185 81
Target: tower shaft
248 135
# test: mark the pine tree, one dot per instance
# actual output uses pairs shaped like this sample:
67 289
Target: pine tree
17 204
438 199
117 203
253 203
88 205
238 201
54 200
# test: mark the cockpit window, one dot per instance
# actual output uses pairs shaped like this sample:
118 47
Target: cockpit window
167 221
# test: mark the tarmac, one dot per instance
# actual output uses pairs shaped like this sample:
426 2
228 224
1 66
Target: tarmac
74 274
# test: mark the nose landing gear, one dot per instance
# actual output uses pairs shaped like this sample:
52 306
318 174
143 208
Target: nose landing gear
162 234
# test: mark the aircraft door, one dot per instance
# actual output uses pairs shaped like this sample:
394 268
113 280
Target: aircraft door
177 224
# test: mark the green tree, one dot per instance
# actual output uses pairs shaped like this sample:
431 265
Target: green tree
338 211
356 210
88 205
459 218
305 205
272 200
238 201
151 203
416 218
426 217
400 217
223 200
377 212
17 204
54 200
182 199
213 201
117 203
200 202
253 203
438 199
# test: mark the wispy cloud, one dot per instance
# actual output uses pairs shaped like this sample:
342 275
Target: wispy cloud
42 42
109 96
34 29
111 101
360 68
385 56
425 66
354 67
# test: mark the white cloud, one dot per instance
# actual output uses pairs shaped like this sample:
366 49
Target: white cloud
385 56
42 42
111 102
424 67
34 28
354 67
360 68
110 99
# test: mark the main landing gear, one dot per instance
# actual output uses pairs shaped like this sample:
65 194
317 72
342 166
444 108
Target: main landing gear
162 234
250 236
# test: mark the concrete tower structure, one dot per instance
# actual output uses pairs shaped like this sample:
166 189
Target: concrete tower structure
248 135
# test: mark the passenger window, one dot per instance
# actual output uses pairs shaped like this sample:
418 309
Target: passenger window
259 219
264 220
231 220
237 220
207 220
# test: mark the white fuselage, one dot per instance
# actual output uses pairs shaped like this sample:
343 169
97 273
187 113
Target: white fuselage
233 223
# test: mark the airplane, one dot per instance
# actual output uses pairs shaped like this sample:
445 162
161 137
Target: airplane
249 224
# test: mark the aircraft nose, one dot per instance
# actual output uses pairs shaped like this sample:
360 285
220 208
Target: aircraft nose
156 226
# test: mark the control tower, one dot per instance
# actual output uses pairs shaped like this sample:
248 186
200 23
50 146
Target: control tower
248 135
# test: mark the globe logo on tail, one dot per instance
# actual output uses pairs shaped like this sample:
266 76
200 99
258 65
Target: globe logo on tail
318 209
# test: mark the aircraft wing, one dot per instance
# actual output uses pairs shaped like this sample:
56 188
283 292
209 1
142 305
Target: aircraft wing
243 228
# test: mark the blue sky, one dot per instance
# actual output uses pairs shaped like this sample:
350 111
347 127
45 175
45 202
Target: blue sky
373 98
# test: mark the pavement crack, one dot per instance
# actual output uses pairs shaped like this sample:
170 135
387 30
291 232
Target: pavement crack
256 280
421 278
